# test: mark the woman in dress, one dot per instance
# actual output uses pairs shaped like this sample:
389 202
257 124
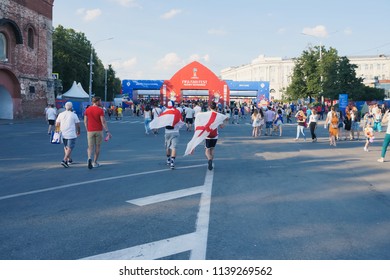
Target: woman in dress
255 123
333 128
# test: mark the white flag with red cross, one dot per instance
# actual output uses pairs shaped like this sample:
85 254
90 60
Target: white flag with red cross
206 124
170 117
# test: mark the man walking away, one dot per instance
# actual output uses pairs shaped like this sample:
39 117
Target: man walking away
171 119
51 115
95 122
69 125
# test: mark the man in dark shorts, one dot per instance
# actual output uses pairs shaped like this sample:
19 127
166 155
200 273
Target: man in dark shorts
211 140
190 114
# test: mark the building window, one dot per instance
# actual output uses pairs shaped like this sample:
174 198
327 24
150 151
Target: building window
3 47
30 37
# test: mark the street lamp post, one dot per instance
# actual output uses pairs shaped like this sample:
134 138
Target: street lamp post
105 78
91 68
90 77
105 84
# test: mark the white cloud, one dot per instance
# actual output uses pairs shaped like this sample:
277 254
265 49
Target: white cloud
130 63
172 61
218 32
169 61
124 68
172 13
318 31
197 57
127 3
89 15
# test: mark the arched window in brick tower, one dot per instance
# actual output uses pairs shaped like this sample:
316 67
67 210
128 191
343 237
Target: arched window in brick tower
3 47
30 37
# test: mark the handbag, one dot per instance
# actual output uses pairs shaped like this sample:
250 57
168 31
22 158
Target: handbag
56 137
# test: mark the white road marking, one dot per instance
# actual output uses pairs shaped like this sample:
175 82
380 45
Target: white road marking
202 226
195 242
166 196
91 182
151 251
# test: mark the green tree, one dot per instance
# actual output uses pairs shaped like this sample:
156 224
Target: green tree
71 55
306 78
323 73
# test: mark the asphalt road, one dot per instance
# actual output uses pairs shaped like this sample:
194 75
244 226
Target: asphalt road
268 198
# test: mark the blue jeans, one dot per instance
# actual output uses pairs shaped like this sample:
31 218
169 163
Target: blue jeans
147 127
300 129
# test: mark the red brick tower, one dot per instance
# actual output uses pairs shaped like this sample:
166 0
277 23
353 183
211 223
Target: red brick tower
26 57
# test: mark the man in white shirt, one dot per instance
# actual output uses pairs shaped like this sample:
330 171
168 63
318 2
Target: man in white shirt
190 113
69 125
51 115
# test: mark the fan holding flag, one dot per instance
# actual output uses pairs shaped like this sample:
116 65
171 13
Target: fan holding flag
206 128
171 119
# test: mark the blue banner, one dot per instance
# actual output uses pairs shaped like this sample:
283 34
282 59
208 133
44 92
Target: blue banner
261 87
128 86
343 101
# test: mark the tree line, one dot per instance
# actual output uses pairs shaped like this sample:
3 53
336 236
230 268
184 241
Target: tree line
320 72
71 55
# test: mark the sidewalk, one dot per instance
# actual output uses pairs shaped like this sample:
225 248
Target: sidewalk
21 121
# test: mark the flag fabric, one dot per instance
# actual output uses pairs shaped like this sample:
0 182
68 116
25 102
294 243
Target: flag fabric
170 117
205 124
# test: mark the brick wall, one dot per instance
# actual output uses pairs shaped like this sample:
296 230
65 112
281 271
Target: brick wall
32 66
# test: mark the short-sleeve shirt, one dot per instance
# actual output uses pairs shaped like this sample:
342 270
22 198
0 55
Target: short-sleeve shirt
51 113
68 120
93 114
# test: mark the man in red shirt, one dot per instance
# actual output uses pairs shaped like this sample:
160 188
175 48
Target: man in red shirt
95 122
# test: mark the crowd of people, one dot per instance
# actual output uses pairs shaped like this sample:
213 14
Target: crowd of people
269 120
342 125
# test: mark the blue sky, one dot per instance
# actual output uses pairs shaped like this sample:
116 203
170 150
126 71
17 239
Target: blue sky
153 39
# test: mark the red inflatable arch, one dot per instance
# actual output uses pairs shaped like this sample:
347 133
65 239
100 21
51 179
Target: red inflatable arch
195 76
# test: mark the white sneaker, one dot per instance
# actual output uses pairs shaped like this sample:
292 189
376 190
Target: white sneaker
365 149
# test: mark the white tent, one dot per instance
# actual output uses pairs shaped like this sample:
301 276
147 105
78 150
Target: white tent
76 91
81 89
